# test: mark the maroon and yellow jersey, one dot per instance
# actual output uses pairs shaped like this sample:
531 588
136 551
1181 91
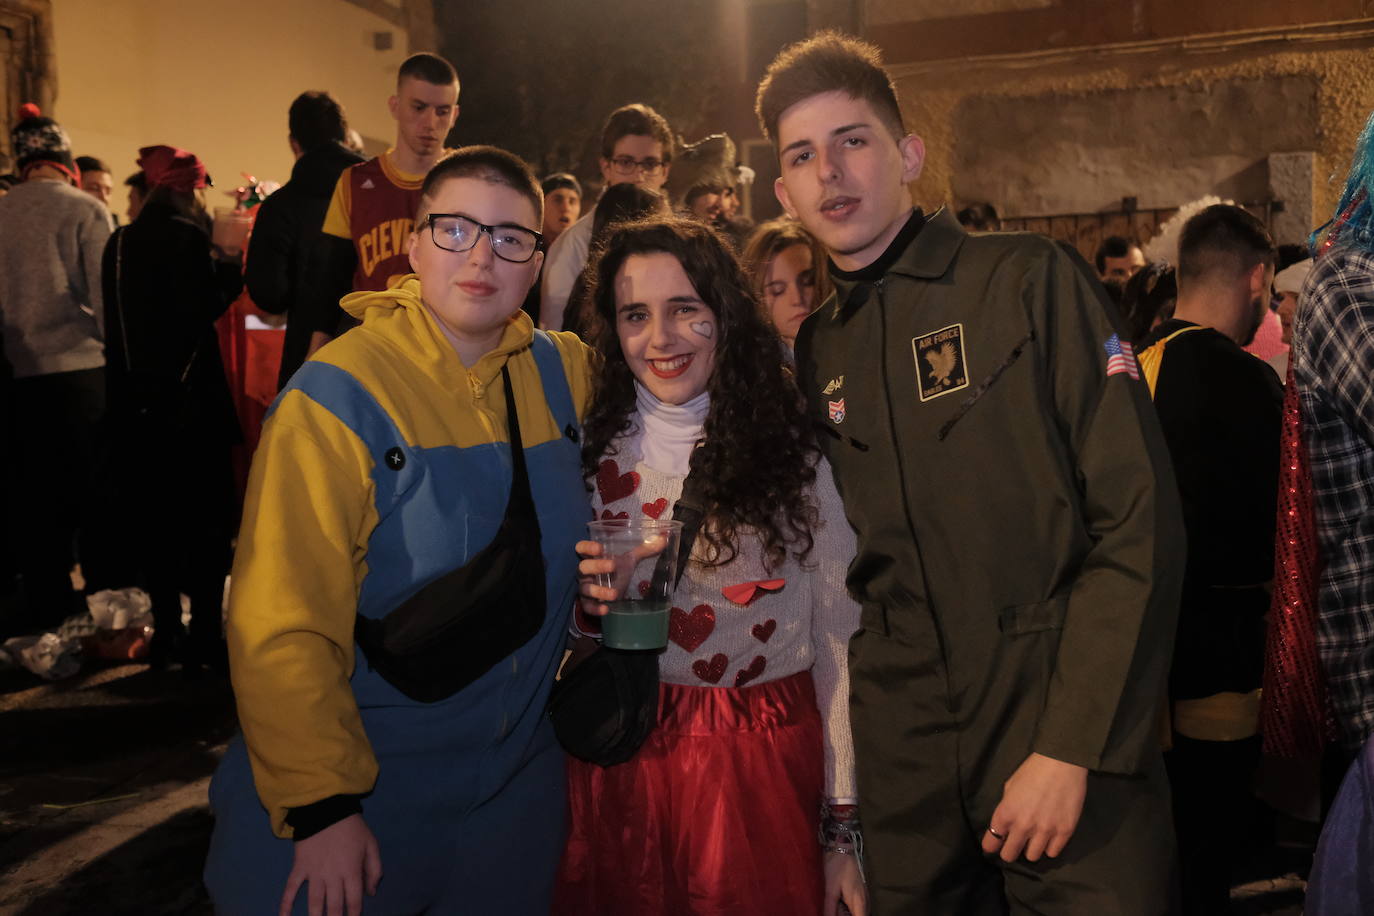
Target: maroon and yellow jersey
374 208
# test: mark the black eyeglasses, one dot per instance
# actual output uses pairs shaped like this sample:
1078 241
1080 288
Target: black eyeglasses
456 232
628 165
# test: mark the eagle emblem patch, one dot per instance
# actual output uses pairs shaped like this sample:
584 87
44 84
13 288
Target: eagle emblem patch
941 365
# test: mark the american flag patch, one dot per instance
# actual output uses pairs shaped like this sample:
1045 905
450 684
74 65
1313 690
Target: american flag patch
1121 357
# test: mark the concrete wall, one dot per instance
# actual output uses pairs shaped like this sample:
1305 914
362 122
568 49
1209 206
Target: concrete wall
216 78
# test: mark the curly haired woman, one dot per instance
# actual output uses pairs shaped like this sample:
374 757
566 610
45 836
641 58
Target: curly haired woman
717 811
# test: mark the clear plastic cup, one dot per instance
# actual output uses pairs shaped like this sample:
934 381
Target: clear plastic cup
645 555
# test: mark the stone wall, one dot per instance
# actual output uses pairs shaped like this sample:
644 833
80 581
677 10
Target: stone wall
1077 130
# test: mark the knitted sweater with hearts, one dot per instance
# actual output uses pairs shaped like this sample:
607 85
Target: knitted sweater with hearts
724 634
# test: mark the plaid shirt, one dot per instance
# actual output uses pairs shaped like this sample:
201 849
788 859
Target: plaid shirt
1333 343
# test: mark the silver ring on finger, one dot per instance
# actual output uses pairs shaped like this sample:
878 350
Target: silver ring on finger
998 836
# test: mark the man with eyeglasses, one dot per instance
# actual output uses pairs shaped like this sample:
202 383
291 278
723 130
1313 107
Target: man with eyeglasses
389 464
636 148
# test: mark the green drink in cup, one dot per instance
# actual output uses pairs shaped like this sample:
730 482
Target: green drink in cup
645 554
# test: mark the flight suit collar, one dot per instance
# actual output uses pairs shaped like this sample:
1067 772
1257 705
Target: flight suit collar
927 257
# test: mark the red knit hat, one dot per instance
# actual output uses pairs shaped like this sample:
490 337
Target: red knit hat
167 166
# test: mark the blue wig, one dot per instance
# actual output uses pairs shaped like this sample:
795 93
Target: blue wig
1352 225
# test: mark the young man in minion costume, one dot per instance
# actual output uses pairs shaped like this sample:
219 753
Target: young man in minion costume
384 470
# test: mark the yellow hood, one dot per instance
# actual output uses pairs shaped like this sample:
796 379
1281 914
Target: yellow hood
400 315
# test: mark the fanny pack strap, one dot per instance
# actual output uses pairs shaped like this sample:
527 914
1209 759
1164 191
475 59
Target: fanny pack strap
521 499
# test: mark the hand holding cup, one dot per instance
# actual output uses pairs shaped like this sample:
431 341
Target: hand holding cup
628 576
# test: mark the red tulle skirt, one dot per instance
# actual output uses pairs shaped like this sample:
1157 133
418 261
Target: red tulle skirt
716 814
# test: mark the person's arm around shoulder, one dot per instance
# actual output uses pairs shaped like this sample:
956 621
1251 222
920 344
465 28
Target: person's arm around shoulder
834 619
297 572
1117 635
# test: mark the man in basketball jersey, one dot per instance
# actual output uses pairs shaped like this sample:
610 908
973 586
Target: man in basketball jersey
363 243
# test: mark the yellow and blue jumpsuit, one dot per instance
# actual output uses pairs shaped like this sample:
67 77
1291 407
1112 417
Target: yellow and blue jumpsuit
384 464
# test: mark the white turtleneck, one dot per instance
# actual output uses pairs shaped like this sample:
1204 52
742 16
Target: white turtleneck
667 433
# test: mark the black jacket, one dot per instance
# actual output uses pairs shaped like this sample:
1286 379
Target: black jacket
163 292
284 241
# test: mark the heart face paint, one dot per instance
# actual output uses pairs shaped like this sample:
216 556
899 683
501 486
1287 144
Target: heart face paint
666 331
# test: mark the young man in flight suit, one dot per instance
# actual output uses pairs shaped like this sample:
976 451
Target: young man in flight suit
1020 538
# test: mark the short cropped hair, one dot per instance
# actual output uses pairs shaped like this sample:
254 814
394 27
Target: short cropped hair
1113 246
489 163
138 181
316 120
90 164
428 67
636 120
559 180
827 62
1223 239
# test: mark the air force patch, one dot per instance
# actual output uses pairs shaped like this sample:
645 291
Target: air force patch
836 411
835 385
941 366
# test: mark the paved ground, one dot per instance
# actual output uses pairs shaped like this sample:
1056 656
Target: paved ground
103 791
103 798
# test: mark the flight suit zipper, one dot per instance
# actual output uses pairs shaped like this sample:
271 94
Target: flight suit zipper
878 289
983 387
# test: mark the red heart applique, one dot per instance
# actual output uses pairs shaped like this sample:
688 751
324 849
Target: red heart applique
655 508
711 672
644 589
691 630
747 592
754 670
613 485
606 515
764 631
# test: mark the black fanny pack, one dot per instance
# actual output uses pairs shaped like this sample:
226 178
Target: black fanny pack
456 628
604 709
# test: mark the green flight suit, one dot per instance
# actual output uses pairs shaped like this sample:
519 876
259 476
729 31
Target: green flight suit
1020 558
